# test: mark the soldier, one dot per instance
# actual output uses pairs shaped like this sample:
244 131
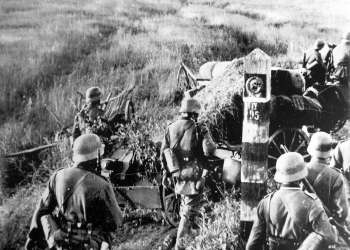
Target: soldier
78 209
184 153
341 58
315 65
90 118
341 158
286 217
328 183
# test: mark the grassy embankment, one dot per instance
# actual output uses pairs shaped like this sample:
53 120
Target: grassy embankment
51 49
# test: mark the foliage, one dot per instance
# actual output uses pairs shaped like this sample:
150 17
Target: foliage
218 229
16 216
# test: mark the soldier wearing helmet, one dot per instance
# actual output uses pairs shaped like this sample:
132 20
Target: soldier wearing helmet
286 217
315 64
184 153
90 119
341 59
328 183
78 209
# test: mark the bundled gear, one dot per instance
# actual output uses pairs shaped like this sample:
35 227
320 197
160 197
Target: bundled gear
78 209
290 218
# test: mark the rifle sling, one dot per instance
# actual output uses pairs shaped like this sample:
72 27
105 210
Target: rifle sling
182 135
72 190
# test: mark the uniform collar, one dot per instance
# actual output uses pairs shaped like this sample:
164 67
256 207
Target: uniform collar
290 186
318 160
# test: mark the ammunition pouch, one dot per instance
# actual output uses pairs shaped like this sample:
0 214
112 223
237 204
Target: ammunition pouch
276 243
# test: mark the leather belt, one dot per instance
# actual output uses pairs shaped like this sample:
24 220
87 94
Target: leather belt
281 241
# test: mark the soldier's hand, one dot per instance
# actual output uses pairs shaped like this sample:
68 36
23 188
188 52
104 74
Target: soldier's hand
59 236
200 183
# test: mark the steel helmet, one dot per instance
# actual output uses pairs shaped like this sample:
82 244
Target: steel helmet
320 145
346 36
290 167
190 105
93 94
209 147
85 148
319 44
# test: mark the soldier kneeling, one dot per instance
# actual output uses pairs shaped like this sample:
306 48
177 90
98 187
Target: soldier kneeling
78 209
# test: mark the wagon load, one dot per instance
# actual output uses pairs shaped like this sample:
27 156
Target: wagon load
223 104
295 111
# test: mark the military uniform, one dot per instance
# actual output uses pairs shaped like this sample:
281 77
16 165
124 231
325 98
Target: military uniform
189 152
92 205
90 120
341 158
78 209
293 214
330 188
341 59
317 72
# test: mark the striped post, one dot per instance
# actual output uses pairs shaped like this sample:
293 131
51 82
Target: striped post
256 97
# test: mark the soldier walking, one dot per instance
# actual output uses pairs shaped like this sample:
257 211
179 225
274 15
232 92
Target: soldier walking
291 217
328 183
184 153
78 209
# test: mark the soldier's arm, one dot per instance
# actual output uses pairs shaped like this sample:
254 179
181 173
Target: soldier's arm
320 223
113 213
257 237
46 205
337 158
340 203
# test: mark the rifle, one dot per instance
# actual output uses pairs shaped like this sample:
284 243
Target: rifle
342 231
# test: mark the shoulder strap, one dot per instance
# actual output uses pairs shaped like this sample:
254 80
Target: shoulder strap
182 130
71 191
291 214
267 215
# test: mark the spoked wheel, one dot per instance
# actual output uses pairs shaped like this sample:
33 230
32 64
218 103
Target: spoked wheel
171 205
294 139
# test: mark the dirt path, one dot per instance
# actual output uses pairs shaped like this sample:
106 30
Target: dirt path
145 237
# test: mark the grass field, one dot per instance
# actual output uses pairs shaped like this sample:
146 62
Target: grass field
50 49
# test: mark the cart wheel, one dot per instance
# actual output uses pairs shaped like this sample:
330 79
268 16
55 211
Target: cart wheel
294 139
170 205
